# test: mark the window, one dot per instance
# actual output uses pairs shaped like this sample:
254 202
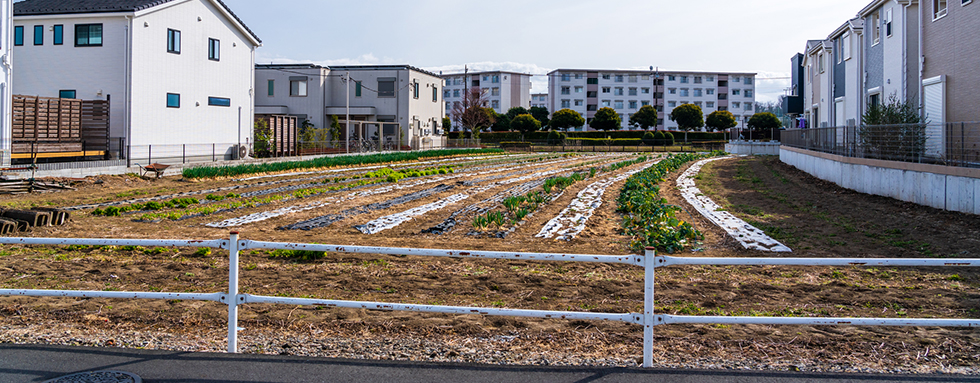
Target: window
645 77
448 106
722 108
711 78
874 101
579 89
606 76
672 91
446 93
748 106
578 76
711 92
938 9
448 82
736 92
297 88
671 78
619 78
748 93
435 93
709 104
697 93
66 93
495 79
644 103
736 105
845 44
59 35
683 79
632 92
820 62
633 104
671 104
173 100
592 81
486 77
888 23
591 108
606 103
19 35
618 104
566 90
748 81
173 41
684 92
455 92
214 49
386 87
697 79
698 103
579 102
219 101
645 90
591 94
272 87
495 104
357 89
632 78
876 27
606 89
566 103
415 90
496 91
88 35
736 79
566 77
618 92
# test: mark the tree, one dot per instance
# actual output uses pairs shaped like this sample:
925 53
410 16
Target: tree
334 129
645 118
893 130
501 122
688 117
721 120
516 111
470 113
263 141
606 119
525 123
447 125
540 113
566 118
764 121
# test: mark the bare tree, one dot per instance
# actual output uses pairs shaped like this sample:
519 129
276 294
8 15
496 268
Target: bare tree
471 113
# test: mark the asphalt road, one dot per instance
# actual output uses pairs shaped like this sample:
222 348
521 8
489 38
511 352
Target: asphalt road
36 363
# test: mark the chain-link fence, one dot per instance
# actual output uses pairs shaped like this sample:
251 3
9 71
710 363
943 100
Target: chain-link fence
952 144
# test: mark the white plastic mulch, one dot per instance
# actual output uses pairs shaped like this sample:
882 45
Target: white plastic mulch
749 236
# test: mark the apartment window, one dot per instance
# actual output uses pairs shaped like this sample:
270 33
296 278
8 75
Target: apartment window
386 87
748 106
297 87
874 100
632 78
214 49
632 92
633 104
606 89
672 91
619 78
671 104
736 105
697 93
173 100
219 101
698 103
495 104
448 82
566 103
38 35
455 92
722 96
748 81
578 76
415 90
566 90
820 62
645 90
722 108
683 79
496 91
748 93
591 94
495 79
736 92
711 92
876 27
711 78
579 102
644 103
938 9
66 93
618 92
888 23
591 108
566 77
486 77
592 81
272 87
736 79
709 104
697 79
684 92
606 103
618 104
645 77
357 89
446 93
173 41
435 93
88 35
671 78
18 35
579 89
606 76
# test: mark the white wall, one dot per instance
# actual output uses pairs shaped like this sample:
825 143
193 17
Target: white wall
6 71
940 191
192 75
311 105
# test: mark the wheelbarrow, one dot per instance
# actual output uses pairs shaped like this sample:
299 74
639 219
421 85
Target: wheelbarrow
156 169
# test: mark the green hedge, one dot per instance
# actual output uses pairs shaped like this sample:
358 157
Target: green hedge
325 162
495 137
605 142
514 144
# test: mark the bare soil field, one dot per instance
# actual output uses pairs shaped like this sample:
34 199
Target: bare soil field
815 218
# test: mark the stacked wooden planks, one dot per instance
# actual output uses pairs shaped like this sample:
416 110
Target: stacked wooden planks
46 125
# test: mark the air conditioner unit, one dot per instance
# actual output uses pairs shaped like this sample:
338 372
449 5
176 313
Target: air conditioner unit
241 152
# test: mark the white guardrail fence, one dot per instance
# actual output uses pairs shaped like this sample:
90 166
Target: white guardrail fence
649 261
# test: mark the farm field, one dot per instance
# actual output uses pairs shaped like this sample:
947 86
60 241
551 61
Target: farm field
499 202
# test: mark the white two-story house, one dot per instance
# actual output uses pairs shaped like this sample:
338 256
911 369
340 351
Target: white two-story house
6 72
178 74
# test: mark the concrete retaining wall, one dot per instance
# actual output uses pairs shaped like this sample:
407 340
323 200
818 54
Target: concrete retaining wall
941 187
753 148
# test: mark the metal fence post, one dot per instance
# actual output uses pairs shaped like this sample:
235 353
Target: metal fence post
648 290
233 293
213 158
150 154
183 153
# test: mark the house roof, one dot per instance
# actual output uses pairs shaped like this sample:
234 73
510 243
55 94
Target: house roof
661 71
473 73
67 7
382 67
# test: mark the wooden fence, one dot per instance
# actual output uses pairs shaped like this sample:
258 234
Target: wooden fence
59 127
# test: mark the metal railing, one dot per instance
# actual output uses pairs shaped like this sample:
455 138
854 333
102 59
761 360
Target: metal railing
649 261
951 144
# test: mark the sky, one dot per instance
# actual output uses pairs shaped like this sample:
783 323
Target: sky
538 36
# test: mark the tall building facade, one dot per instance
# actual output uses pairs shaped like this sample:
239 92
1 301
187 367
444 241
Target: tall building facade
587 90
502 90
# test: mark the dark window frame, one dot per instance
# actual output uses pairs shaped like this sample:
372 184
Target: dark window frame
383 92
219 101
58 35
272 87
62 93
88 35
18 35
38 35
177 105
214 49
173 41
357 89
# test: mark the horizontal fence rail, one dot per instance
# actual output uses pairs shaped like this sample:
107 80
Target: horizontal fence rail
649 261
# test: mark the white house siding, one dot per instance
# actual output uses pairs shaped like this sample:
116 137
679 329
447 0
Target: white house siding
309 107
95 73
192 75
6 42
